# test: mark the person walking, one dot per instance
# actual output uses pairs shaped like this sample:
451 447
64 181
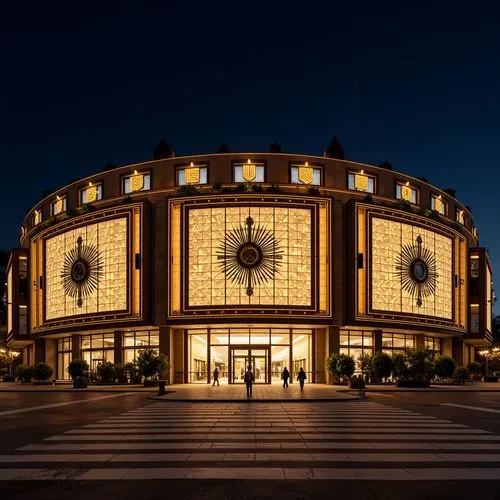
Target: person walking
216 377
285 375
249 380
301 377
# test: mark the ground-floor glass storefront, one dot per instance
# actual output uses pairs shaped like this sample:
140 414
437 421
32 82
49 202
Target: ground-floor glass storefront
267 350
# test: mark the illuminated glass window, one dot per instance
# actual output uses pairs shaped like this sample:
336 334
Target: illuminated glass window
93 192
407 193
23 320
438 204
474 318
97 349
248 172
137 182
193 174
398 341
359 181
460 216
134 342
64 355
433 344
37 217
355 344
58 206
304 174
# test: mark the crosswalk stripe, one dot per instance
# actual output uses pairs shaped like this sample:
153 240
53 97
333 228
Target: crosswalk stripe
265 441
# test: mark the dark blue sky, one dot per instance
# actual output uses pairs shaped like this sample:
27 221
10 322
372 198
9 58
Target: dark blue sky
82 84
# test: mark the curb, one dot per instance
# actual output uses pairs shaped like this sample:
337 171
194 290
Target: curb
267 400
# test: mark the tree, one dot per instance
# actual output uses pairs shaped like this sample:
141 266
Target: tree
444 367
78 368
345 366
475 368
106 372
151 364
399 368
382 366
24 373
365 365
420 364
461 374
42 371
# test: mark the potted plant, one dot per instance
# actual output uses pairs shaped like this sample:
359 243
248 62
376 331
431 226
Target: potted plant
42 373
419 369
475 369
382 366
151 365
78 369
461 375
106 372
444 367
24 373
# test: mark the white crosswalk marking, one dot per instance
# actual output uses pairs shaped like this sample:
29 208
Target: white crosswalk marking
341 440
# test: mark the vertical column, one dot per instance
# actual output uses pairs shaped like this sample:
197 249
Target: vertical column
165 333
118 347
377 341
290 364
319 347
446 347
457 351
76 346
420 342
39 351
178 357
51 354
209 360
332 346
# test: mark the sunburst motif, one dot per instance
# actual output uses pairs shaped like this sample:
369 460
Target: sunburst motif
82 270
249 255
416 267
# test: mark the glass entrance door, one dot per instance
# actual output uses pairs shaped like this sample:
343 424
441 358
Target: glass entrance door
242 357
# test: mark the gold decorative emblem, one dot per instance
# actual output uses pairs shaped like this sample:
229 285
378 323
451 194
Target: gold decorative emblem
406 193
306 175
192 175
91 194
59 205
438 203
249 171
136 182
361 182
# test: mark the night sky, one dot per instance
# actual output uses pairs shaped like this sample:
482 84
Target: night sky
84 83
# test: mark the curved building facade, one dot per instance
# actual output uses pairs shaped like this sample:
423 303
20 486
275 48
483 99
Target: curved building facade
231 259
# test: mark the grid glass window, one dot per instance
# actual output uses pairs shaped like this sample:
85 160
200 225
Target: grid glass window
192 175
64 355
474 318
407 193
58 206
133 342
438 204
128 185
355 344
91 193
23 320
398 341
98 348
245 173
361 182
296 177
433 344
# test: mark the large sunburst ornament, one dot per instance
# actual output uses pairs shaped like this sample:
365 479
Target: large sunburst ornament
82 270
416 267
249 255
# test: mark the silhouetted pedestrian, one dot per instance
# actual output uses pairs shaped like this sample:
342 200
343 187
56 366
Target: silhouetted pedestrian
301 377
249 380
285 375
216 377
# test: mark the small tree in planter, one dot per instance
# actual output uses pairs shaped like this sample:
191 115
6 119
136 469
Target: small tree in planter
444 367
345 366
24 373
365 364
419 368
461 375
382 365
331 366
151 365
106 372
42 372
399 368
78 369
475 369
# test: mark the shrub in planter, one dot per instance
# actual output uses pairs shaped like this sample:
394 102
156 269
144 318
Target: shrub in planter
24 373
42 372
444 367
399 369
475 369
356 383
151 364
340 365
382 366
78 368
461 375
365 364
106 372
121 374
419 364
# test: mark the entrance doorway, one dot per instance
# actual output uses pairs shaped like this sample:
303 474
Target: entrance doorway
256 357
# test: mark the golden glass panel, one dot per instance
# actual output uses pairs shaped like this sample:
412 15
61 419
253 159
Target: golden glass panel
110 294
361 182
306 175
362 251
59 205
175 255
249 172
91 194
192 175
136 241
406 193
209 286
388 238
38 216
136 182
439 205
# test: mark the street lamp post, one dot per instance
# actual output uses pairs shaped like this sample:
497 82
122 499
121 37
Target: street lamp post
489 353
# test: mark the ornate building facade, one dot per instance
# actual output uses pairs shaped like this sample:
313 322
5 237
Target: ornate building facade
231 259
